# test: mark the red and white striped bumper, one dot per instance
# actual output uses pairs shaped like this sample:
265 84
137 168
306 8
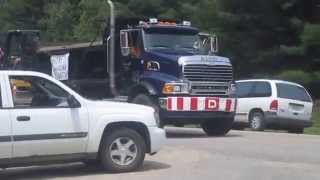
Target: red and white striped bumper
199 104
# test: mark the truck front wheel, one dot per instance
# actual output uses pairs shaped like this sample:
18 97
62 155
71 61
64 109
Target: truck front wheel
217 127
122 150
149 101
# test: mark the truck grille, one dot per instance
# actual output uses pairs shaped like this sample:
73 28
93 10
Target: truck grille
208 79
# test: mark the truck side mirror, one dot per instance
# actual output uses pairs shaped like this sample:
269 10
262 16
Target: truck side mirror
124 43
214 46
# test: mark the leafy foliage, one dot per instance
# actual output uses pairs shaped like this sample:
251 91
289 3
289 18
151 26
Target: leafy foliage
59 21
260 37
297 76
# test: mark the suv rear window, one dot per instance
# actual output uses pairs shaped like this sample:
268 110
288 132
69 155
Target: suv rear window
288 91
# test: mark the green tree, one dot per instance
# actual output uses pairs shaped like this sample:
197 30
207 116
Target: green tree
17 14
253 31
92 18
311 44
60 20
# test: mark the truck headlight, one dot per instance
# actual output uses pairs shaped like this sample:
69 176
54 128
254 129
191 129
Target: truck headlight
175 88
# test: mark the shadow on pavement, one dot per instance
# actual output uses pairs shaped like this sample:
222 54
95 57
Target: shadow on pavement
193 133
67 170
152 165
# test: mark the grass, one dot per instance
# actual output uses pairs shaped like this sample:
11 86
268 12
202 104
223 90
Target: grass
315 129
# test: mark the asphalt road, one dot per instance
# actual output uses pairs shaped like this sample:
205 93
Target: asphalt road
189 154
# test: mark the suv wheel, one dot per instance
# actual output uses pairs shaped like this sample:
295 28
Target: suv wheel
148 101
256 121
92 163
123 150
217 127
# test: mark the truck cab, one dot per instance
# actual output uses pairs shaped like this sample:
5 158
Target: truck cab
168 65
173 68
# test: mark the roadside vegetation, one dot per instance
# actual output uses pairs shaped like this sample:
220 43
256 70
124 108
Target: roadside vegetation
264 39
315 129
269 39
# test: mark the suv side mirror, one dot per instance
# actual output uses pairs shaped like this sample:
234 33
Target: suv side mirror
124 43
214 46
72 102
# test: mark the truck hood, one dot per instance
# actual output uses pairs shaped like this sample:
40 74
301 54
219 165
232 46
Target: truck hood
171 55
171 60
168 54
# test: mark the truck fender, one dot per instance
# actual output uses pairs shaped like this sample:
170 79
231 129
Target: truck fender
151 89
143 86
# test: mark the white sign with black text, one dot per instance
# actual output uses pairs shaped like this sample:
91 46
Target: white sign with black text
60 66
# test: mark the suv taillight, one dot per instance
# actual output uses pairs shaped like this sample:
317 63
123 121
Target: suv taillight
274 105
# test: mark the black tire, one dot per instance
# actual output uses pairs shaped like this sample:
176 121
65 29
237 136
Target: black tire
239 126
112 162
256 121
217 127
146 100
92 163
296 131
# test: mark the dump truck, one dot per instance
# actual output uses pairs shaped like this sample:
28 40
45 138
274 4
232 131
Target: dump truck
166 64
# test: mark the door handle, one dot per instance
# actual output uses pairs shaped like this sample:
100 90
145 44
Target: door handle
23 118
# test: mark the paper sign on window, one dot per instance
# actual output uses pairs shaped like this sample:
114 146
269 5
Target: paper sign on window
60 66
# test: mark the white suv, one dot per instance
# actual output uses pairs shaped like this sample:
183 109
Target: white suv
44 121
273 103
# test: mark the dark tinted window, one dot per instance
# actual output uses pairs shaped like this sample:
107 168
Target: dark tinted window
288 91
261 89
253 89
244 89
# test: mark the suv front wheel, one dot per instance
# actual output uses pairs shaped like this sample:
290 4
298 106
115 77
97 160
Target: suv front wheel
122 150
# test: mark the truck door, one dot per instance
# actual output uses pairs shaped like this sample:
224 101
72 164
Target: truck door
131 53
131 44
5 127
42 120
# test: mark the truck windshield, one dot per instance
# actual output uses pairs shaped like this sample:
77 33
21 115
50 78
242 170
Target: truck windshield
189 42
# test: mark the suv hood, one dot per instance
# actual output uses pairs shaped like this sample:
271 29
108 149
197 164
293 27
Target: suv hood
101 108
